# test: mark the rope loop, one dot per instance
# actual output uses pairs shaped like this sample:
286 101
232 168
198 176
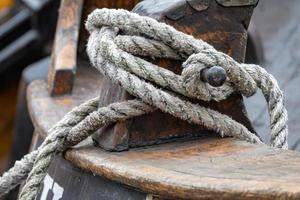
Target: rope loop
238 78
116 56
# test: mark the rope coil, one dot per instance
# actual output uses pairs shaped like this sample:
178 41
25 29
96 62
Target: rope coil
115 56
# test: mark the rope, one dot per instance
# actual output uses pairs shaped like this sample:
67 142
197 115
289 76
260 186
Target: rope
115 56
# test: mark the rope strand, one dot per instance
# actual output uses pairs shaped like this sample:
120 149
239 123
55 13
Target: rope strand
115 56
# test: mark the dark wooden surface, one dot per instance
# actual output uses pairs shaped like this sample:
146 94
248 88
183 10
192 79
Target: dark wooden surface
224 28
277 23
78 185
7 115
89 6
202 169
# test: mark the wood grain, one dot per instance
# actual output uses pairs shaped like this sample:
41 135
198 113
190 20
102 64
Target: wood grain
64 54
203 169
70 38
46 110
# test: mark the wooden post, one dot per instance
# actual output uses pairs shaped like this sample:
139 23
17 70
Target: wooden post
64 54
68 42
223 27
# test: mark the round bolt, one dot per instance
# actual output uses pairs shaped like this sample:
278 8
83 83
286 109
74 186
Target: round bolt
215 76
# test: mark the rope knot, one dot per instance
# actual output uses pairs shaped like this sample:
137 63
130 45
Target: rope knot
114 55
236 78
194 79
117 56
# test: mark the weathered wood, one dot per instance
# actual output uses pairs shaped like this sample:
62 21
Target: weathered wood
203 169
228 3
68 55
224 28
64 54
46 110
76 184
89 6
68 42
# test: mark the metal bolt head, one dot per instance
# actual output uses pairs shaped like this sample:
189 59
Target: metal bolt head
215 76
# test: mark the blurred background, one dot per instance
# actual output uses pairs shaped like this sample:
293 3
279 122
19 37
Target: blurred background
27 29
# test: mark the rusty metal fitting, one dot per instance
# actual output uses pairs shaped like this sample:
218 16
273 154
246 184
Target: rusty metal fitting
215 76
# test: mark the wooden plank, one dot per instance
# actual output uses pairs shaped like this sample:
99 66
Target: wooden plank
46 110
64 55
64 64
209 168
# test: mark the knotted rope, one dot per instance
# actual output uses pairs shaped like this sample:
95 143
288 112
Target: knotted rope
114 55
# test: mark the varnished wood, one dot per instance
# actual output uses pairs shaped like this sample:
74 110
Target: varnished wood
224 28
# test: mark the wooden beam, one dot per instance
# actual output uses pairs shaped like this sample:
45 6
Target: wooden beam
64 54
68 42
203 169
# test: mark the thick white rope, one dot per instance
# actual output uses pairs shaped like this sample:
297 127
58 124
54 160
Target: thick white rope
110 54
114 55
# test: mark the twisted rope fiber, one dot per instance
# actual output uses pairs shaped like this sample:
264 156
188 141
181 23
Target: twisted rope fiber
114 55
76 125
